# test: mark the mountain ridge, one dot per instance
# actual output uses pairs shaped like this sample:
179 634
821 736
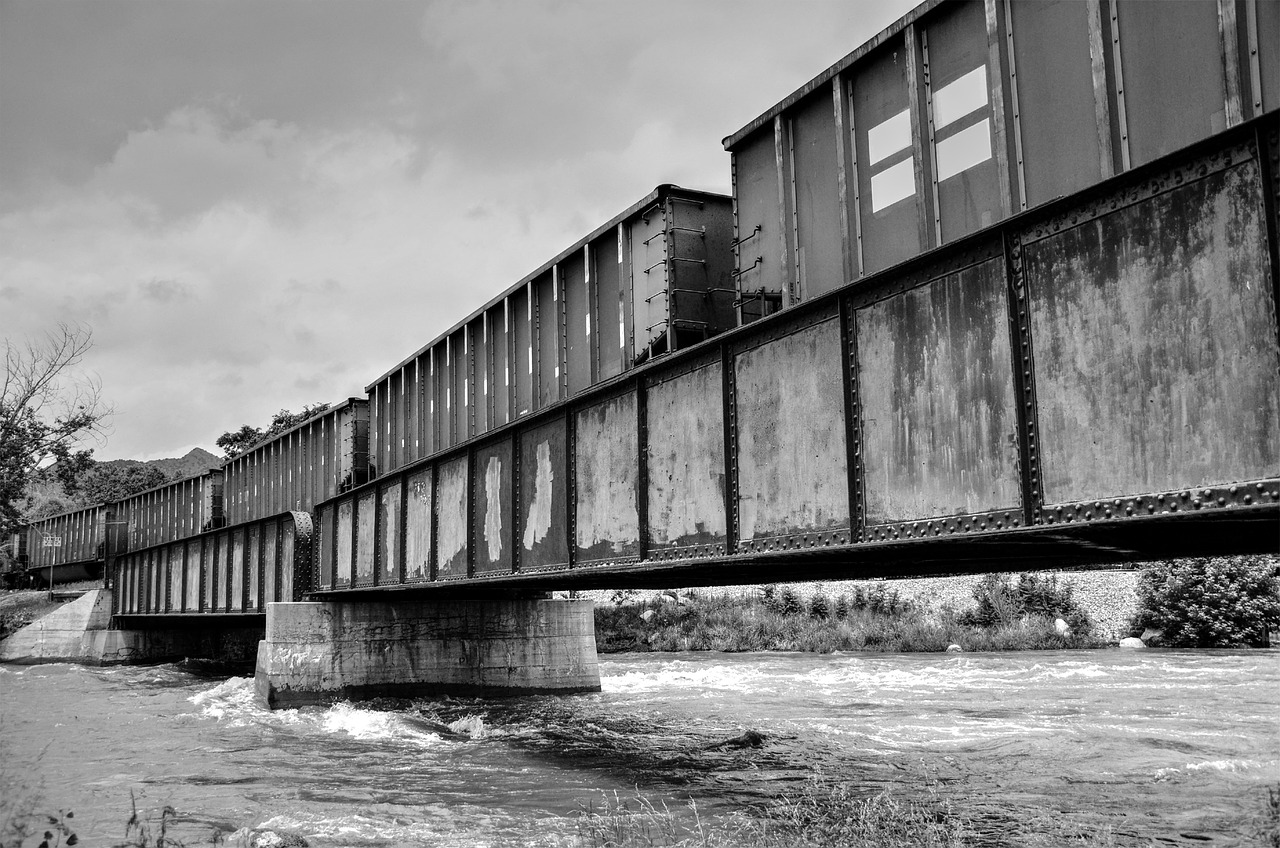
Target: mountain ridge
195 461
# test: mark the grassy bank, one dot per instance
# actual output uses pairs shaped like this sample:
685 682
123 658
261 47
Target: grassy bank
20 608
1007 615
823 813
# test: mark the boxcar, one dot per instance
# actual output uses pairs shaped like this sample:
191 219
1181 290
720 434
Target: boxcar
311 462
71 546
654 279
172 511
964 112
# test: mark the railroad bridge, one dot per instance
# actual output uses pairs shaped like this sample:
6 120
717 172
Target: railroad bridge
950 355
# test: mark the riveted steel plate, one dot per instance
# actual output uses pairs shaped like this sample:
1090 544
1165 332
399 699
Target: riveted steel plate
607 462
792 471
418 536
544 498
493 508
1155 354
451 519
936 400
686 467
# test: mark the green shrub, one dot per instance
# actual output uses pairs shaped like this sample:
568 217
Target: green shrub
789 603
1209 603
1001 602
819 606
842 608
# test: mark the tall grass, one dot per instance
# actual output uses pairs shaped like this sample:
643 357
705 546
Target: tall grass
822 813
777 620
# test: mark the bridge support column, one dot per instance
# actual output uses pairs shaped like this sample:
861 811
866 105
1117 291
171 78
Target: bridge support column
320 652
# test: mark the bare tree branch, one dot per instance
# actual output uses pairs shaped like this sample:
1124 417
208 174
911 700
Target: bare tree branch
48 407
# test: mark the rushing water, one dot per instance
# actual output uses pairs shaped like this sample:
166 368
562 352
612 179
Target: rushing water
1174 746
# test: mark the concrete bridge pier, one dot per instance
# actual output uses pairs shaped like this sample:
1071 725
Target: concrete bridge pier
317 652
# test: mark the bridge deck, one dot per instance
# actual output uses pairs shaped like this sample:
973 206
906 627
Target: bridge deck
1093 380
1096 380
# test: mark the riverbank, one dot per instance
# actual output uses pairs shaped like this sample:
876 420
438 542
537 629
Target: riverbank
924 614
21 607
779 620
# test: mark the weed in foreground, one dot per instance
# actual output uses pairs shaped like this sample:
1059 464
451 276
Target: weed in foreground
821 815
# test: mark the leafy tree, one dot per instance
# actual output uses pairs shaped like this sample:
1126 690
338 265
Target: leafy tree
48 408
1209 603
236 442
106 483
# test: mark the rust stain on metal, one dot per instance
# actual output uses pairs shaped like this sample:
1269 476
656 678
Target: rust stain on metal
389 533
342 579
939 420
608 465
365 542
1155 348
686 459
792 472
417 527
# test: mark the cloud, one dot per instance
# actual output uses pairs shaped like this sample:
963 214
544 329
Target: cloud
259 205
164 291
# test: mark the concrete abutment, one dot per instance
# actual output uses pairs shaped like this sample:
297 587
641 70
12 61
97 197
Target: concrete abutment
317 652
82 632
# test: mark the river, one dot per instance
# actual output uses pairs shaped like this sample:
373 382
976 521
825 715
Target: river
1175 746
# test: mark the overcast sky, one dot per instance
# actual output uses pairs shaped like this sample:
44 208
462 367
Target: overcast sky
257 205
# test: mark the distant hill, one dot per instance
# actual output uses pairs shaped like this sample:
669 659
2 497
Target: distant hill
197 461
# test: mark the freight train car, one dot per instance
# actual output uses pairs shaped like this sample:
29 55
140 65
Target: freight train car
71 546
77 544
171 511
295 470
965 112
654 279
1028 257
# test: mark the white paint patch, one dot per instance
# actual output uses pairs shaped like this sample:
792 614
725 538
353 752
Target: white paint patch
452 513
538 523
493 508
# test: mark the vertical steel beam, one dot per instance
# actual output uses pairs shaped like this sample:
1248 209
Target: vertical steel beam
562 332
469 379
571 487
517 514
534 310
642 472
1023 380
995 82
1122 114
918 80
1016 121
1229 42
471 512
1255 66
796 281
852 421
730 401
593 315
779 160
737 239
842 108
433 556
